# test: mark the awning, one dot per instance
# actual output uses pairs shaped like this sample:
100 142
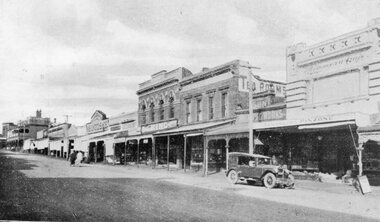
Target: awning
190 129
140 136
231 129
325 125
102 137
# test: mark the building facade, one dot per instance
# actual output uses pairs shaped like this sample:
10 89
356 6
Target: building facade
332 91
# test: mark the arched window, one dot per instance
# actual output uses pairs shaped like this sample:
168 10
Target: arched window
171 107
162 115
143 114
152 112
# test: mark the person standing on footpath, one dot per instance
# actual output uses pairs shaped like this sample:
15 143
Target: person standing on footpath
73 157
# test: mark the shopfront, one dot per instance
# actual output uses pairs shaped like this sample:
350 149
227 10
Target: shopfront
327 143
184 147
223 140
98 137
369 140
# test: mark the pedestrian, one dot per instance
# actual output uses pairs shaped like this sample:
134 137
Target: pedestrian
79 158
73 157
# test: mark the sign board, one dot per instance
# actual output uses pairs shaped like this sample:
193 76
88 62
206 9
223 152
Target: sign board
364 184
159 126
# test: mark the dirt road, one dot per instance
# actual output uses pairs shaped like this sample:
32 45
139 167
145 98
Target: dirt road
40 188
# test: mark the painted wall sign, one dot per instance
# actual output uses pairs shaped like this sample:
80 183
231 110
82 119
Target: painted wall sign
159 126
334 64
115 128
98 123
269 115
94 127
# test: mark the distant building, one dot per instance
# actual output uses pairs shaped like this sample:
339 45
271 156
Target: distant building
26 129
7 127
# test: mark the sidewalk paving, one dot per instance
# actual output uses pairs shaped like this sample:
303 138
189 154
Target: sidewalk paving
336 197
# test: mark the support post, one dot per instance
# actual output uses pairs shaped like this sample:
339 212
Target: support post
360 163
184 153
114 156
250 115
125 151
153 157
96 153
227 150
168 149
205 157
138 152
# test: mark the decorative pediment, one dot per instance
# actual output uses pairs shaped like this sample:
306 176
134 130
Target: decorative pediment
98 115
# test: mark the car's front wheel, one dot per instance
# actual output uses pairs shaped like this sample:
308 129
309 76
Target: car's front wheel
233 177
269 180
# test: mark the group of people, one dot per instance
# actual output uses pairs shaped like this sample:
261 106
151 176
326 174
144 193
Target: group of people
76 158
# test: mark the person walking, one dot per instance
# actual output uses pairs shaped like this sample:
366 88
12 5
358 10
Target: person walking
79 158
73 157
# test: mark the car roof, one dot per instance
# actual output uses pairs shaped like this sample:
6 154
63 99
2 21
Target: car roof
247 154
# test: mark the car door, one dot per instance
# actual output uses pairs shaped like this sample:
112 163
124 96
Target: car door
243 166
257 170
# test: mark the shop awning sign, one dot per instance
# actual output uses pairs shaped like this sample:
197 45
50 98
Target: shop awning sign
159 126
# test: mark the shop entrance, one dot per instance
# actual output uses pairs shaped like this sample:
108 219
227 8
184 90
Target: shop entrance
120 153
145 151
175 155
131 151
194 152
100 151
96 151
216 155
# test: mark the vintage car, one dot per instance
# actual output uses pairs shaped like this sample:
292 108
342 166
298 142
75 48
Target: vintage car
255 167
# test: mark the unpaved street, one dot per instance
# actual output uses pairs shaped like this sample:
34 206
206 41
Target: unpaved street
41 188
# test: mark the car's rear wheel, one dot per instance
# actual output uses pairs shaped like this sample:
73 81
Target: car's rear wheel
269 180
233 177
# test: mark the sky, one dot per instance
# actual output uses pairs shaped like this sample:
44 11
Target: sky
74 57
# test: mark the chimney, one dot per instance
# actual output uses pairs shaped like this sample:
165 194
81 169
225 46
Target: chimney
38 114
55 120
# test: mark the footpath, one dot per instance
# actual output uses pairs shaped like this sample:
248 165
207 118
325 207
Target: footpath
332 196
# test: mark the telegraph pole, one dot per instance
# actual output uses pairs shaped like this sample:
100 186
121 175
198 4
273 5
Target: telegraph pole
250 107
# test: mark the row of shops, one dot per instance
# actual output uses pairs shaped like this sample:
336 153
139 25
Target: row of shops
326 118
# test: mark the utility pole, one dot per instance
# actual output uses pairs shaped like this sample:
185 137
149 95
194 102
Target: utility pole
250 107
67 118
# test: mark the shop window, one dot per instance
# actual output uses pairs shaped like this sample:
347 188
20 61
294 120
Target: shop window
171 107
152 112
211 108
188 113
224 104
197 150
162 116
199 110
